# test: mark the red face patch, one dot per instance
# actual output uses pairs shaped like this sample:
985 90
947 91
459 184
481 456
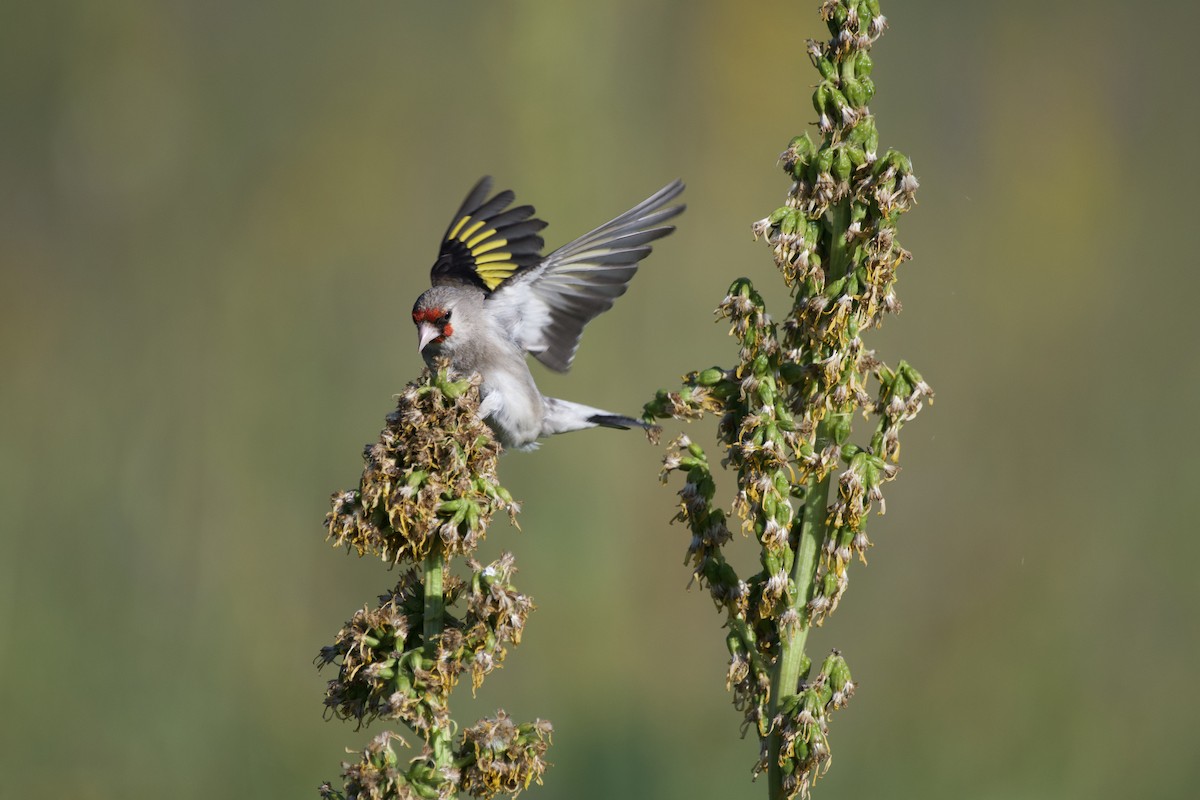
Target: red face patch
436 317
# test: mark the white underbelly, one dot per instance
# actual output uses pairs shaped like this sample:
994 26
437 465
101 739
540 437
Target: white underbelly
513 407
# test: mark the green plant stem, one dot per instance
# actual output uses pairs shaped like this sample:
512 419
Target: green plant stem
435 601
839 248
434 612
786 678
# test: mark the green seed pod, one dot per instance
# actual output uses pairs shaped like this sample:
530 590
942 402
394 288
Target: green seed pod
854 92
821 99
863 64
858 133
868 86
778 214
824 66
812 235
857 155
452 506
864 17
734 643
851 288
426 791
769 505
824 694
838 100
742 287
843 166
454 389
411 661
802 146
837 18
422 771
804 150
724 390
845 537
910 374
834 288
900 161
871 468
791 222
841 428
829 584
871 140
824 160
811 700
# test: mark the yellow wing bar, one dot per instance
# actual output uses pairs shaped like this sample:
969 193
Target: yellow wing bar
493 268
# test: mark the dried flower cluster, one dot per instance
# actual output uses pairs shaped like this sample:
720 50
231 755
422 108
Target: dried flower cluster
428 490
786 410
430 477
502 756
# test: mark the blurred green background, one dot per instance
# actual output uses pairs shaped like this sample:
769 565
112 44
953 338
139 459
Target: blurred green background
214 218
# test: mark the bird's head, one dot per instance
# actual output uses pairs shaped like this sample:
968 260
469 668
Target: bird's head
442 316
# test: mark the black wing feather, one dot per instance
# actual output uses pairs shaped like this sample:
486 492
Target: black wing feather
485 245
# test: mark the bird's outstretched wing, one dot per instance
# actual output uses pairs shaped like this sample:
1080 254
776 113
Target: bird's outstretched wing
546 306
485 244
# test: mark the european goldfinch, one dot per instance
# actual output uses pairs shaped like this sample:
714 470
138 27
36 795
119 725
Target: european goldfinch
495 298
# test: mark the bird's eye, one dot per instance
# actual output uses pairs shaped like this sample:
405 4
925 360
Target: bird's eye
446 317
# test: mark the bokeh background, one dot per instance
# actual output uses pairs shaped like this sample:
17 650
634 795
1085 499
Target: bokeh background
214 217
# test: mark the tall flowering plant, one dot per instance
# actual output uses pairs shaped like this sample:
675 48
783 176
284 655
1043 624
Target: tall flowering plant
807 477
427 493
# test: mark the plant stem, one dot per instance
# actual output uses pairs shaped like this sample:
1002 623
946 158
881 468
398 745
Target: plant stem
839 248
435 610
435 602
786 678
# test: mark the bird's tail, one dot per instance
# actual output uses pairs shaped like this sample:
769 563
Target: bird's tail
617 421
563 416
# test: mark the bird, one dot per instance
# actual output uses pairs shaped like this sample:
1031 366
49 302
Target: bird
495 299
